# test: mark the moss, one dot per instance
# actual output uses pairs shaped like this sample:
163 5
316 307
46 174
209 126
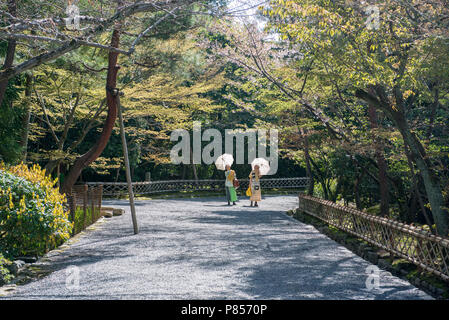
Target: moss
404 265
390 260
412 274
334 230
434 281
437 283
352 240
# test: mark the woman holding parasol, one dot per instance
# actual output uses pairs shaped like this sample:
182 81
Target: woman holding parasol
224 162
260 167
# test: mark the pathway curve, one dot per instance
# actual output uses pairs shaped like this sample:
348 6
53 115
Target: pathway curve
202 249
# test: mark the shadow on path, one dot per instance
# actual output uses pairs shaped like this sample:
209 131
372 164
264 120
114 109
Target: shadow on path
202 249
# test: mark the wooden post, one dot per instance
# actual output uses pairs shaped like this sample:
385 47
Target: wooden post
85 199
128 171
58 174
72 206
92 204
100 199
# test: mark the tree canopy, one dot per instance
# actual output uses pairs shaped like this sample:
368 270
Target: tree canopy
358 92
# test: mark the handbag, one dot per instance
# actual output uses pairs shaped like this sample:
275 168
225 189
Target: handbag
236 183
248 192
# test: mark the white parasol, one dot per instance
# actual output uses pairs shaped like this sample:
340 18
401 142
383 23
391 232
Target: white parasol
264 165
223 160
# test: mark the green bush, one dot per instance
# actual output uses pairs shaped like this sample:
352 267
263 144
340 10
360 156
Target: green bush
5 275
32 217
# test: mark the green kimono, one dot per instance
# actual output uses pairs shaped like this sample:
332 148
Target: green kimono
231 194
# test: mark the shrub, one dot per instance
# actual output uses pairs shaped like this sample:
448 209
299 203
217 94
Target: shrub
32 216
5 275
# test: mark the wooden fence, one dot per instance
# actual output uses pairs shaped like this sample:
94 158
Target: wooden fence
85 205
119 189
414 244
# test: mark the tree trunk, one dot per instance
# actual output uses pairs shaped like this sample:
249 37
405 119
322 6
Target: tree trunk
430 179
321 179
308 166
117 173
431 182
382 165
416 191
51 166
434 107
195 174
10 52
183 175
334 195
358 180
112 103
26 117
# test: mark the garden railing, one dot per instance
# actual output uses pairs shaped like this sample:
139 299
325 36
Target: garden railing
117 189
415 244
84 202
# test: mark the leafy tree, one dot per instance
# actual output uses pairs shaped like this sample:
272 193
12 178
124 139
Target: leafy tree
385 67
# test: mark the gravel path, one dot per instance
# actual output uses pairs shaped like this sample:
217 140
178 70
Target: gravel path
202 249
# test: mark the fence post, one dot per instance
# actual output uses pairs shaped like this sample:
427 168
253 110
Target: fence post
100 199
92 204
72 209
84 205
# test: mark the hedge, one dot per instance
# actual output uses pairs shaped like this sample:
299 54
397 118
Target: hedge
32 215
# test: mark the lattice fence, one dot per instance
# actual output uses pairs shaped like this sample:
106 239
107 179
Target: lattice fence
414 244
118 189
85 205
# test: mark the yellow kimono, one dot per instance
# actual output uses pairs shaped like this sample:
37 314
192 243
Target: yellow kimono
254 182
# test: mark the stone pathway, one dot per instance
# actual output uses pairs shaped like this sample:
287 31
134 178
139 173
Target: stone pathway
202 249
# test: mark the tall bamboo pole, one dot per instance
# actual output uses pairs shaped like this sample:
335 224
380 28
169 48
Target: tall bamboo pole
128 171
